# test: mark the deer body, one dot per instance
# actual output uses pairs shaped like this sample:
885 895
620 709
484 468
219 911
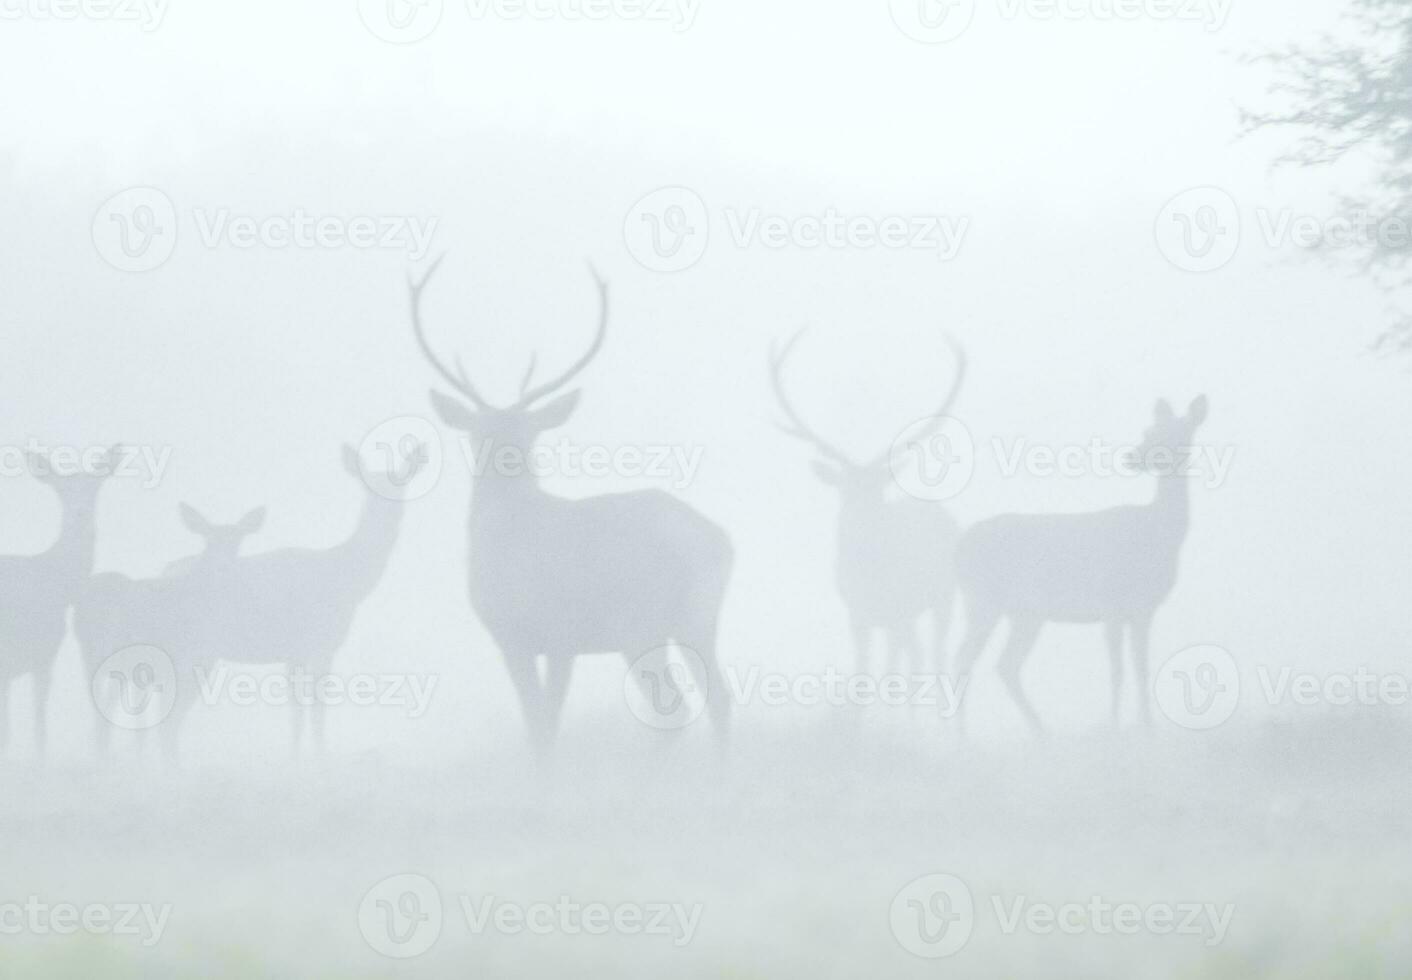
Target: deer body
294 606
893 559
37 590
553 578
1114 566
604 574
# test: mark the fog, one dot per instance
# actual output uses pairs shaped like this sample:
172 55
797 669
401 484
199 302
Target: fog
727 171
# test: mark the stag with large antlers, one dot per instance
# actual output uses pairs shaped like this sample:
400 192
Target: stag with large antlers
552 578
894 559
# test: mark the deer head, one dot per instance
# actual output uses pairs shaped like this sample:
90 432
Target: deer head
1168 431
857 483
79 488
222 540
520 423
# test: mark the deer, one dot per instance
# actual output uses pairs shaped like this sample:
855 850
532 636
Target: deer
295 606
37 590
893 555
553 578
115 612
1114 567
292 607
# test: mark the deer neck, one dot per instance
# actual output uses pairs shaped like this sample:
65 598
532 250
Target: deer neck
376 533
1170 506
496 490
73 551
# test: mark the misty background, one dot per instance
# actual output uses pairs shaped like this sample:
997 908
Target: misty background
529 142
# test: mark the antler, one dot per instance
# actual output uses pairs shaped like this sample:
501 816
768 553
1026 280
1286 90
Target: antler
527 394
945 408
796 426
457 380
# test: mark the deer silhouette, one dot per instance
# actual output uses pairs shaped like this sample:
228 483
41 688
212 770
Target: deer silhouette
1114 567
115 612
37 590
291 607
552 578
894 553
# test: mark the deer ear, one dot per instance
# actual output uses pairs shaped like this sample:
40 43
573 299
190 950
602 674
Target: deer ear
253 521
827 472
452 412
350 461
1197 411
194 521
1162 411
557 412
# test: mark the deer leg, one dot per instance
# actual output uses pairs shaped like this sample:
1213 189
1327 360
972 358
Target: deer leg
707 674
1140 629
1113 632
941 628
296 713
980 623
185 698
43 679
558 671
1023 632
525 676
4 715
